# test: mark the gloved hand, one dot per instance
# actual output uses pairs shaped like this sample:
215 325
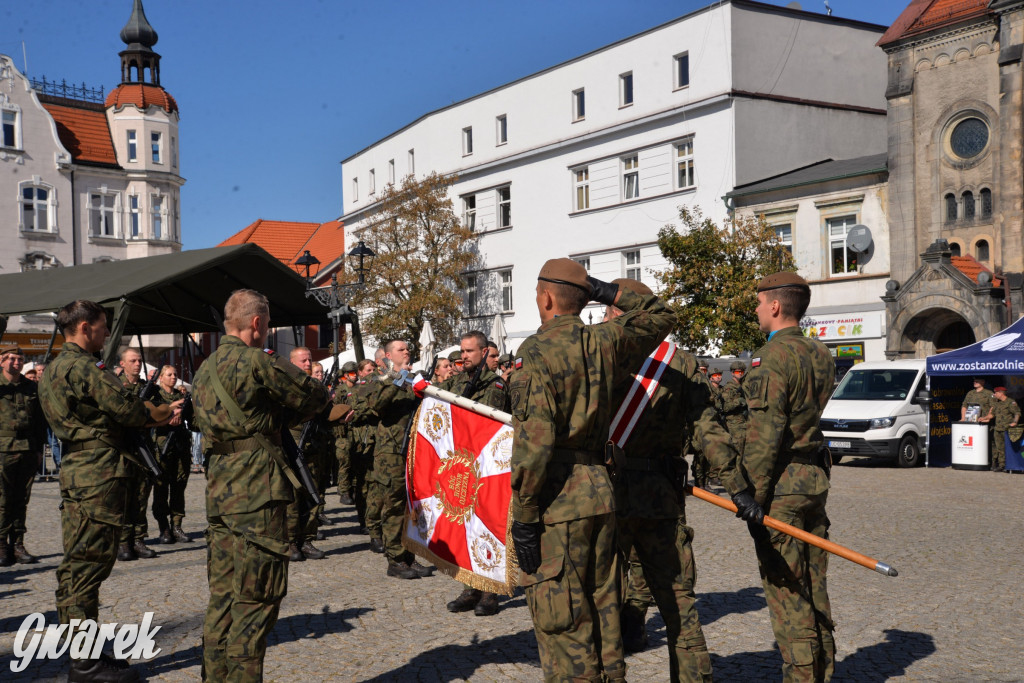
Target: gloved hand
747 508
602 292
759 533
526 539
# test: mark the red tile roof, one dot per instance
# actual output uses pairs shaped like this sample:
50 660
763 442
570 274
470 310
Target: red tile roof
286 240
84 132
970 267
142 96
921 16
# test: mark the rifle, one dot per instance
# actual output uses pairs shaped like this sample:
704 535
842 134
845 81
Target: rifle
139 440
187 413
475 379
293 453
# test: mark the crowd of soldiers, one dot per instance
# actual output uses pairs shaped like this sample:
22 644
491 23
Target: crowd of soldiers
598 523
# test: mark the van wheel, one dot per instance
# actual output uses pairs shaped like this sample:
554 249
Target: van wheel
908 454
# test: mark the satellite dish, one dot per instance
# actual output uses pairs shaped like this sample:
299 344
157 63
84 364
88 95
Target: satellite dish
858 239
794 5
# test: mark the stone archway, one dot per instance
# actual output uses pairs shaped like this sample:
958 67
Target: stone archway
933 329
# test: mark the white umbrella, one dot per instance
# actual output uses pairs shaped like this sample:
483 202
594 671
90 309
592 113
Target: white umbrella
498 334
427 342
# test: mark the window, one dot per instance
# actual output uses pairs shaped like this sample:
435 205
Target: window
35 208
506 291
10 128
467 141
684 165
103 214
505 207
583 261
682 70
391 171
133 146
968 199
372 182
133 214
469 211
471 294
981 250
579 105
630 177
986 203
581 182
155 141
355 189
785 234
501 125
412 161
158 217
842 260
951 208
954 248
626 89
632 264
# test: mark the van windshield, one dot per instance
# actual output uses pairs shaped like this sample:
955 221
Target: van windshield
875 385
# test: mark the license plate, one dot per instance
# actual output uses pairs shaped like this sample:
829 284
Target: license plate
838 444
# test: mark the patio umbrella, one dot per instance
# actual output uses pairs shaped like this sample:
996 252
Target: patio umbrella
427 343
498 334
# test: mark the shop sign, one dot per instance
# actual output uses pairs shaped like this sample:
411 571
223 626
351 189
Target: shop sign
845 326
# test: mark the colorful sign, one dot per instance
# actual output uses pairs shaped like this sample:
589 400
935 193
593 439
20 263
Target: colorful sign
845 326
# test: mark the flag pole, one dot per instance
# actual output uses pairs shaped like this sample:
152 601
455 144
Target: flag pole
473 406
799 534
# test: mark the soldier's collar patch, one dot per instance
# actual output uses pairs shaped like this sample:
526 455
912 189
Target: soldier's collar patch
519 363
101 365
269 352
755 362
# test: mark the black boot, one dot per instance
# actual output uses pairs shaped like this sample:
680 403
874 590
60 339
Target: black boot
311 552
6 554
346 498
22 556
142 550
487 606
421 570
323 520
166 536
179 535
466 601
634 628
400 570
376 546
125 553
106 669
294 554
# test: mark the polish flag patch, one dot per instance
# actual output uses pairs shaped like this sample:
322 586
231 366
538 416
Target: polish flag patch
754 362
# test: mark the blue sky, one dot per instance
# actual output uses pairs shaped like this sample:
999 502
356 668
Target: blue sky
274 94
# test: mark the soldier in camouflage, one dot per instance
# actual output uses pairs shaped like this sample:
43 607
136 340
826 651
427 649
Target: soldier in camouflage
979 397
478 383
364 432
22 435
1005 414
562 401
244 396
343 440
783 470
734 406
89 410
176 462
650 508
136 524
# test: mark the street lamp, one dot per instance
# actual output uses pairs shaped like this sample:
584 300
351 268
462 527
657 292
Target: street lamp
330 296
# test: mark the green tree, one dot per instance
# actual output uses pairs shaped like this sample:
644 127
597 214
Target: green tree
710 281
422 250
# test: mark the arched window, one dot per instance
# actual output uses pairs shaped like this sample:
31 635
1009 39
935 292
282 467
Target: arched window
981 250
986 203
954 248
950 207
968 198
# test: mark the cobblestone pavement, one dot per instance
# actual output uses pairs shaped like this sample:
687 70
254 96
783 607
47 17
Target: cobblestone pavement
953 614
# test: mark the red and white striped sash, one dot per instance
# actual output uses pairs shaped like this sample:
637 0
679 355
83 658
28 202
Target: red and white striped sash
645 383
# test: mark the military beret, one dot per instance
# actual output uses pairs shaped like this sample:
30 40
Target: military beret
454 356
565 271
1002 389
11 348
737 365
632 285
504 358
783 279
350 366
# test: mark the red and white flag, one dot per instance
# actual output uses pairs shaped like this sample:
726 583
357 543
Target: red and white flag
458 479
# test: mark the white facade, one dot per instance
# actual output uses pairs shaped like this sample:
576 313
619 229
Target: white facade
592 157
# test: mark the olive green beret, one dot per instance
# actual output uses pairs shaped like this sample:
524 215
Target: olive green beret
11 348
784 279
565 271
738 365
350 366
634 286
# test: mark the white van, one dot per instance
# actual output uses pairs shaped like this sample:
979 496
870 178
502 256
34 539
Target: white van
879 409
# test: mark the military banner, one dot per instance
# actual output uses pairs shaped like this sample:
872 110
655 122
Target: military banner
458 480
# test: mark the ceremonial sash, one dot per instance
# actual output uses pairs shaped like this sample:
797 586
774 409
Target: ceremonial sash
645 383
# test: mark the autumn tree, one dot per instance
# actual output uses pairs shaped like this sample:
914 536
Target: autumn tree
710 281
422 250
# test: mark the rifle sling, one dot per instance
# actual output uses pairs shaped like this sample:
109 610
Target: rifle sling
236 414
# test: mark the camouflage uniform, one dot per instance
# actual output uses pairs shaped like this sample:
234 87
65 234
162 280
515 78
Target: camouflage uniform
343 446
22 435
169 492
651 516
734 407
701 467
562 402
789 382
136 523
303 516
364 439
1005 413
247 492
984 398
88 408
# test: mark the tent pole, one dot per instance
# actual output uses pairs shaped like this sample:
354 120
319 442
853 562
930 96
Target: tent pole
53 338
121 311
357 338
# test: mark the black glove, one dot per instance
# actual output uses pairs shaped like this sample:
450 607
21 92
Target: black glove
602 292
760 534
747 508
526 538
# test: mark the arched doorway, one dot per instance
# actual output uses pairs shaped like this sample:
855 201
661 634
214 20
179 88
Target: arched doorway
936 329
956 335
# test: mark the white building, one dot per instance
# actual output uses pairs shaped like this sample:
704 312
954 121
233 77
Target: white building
591 157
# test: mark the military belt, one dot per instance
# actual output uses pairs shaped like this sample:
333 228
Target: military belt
634 464
574 456
76 446
238 445
15 433
817 458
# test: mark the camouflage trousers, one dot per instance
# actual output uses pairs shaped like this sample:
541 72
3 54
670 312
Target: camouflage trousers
794 577
169 492
389 475
17 472
663 549
637 593
301 514
343 466
998 450
247 569
358 470
374 500
90 526
136 524
574 601
701 469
